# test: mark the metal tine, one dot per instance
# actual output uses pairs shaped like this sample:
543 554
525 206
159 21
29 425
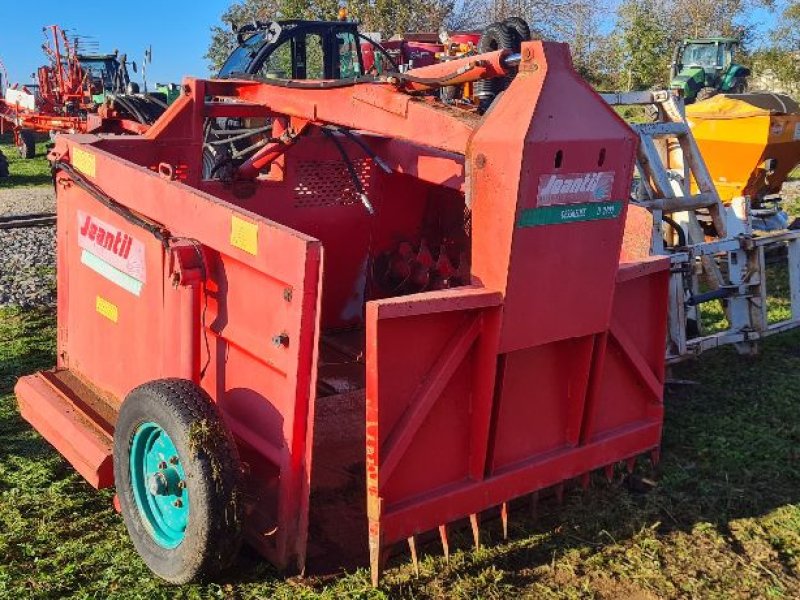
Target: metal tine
445 542
655 456
630 464
504 519
559 490
412 545
473 521
609 471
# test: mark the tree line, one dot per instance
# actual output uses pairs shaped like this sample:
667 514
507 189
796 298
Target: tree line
616 44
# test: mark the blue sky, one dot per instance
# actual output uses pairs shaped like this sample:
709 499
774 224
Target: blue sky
177 29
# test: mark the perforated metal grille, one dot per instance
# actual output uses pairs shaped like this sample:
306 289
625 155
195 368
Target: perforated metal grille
322 183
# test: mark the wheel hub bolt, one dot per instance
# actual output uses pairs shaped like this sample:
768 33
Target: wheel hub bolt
173 460
177 503
162 465
182 484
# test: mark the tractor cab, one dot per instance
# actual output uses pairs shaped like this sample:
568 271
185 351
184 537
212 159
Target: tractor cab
106 73
704 67
320 50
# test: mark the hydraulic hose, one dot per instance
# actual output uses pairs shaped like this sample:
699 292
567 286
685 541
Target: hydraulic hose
351 169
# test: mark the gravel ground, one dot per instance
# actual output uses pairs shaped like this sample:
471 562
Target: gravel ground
27 256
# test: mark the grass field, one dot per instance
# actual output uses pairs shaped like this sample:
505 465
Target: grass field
35 171
722 521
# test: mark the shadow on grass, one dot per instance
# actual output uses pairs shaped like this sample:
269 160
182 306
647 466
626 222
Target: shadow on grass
31 180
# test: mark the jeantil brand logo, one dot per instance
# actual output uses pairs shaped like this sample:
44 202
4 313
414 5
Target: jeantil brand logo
103 236
111 245
571 188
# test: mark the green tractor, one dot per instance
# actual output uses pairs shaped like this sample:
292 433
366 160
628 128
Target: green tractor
702 68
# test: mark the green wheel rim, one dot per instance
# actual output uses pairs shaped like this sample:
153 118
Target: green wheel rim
159 485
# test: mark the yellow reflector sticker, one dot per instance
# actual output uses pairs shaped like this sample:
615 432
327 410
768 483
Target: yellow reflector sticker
244 235
83 161
107 309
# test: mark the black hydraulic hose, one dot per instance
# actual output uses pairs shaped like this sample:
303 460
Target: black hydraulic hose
320 85
678 230
130 109
157 101
351 169
158 231
718 294
357 140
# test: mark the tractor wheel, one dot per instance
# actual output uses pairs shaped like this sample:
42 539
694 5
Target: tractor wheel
178 479
706 93
739 86
3 165
495 37
26 143
519 25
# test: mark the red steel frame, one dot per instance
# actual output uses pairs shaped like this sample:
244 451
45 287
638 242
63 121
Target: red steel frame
547 366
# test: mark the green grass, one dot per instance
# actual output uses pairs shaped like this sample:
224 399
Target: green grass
25 172
723 520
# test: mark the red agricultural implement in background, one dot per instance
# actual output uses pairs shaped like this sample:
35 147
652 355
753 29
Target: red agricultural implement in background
390 315
74 93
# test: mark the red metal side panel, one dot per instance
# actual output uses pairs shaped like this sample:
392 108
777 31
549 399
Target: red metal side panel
430 373
628 371
453 428
111 323
258 312
540 398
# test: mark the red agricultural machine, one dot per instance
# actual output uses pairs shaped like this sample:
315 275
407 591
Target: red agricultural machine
75 92
390 315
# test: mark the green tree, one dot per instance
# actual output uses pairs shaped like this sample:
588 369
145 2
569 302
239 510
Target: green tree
643 44
777 66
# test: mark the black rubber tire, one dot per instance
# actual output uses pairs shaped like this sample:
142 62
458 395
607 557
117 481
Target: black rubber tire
210 459
27 144
739 86
519 25
3 165
706 93
495 37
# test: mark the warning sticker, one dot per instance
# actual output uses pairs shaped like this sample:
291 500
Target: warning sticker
84 161
108 309
244 235
572 188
